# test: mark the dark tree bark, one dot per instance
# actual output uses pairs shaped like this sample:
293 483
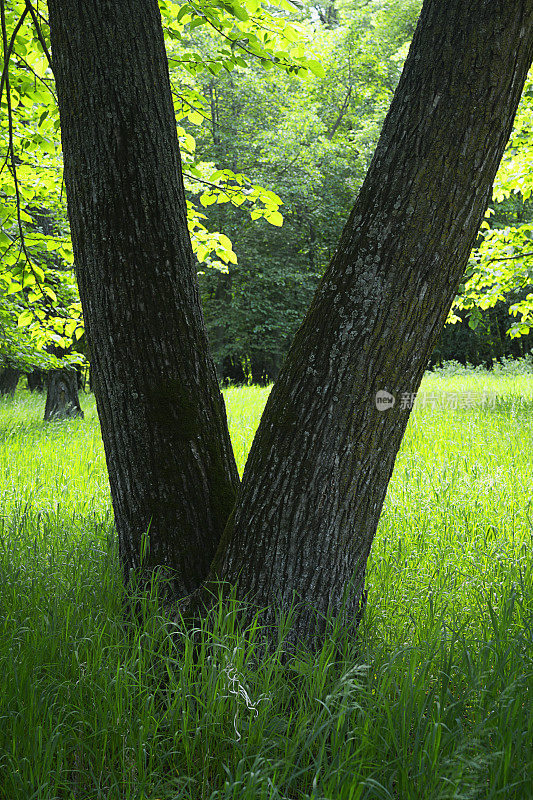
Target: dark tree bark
9 378
320 464
36 381
80 378
62 401
163 420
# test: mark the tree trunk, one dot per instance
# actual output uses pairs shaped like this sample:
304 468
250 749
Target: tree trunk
80 378
163 420
36 381
9 379
320 464
222 303
62 400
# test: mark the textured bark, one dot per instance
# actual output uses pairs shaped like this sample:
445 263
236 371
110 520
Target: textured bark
9 378
62 401
163 421
320 464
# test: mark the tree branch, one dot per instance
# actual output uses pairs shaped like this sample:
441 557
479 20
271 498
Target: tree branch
39 32
511 258
8 48
332 131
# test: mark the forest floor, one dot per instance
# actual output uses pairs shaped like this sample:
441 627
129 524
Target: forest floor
433 700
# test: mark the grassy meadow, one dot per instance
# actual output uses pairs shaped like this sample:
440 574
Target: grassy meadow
433 700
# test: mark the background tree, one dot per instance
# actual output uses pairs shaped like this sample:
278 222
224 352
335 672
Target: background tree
19 352
62 395
312 140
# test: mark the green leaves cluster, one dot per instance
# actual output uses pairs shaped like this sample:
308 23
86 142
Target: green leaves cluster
248 29
312 139
35 247
502 263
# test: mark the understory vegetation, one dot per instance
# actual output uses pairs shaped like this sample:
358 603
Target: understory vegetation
432 698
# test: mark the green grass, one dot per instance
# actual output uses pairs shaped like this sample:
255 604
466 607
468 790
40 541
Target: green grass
434 699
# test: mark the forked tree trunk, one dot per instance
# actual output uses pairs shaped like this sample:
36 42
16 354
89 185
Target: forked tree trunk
320 464
9 378
321 461
62 401
163 420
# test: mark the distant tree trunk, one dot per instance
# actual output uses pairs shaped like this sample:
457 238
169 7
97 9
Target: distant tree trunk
320 464
62 400
9 379
80 378
36 381
221 307
171 466
312 247
329 16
